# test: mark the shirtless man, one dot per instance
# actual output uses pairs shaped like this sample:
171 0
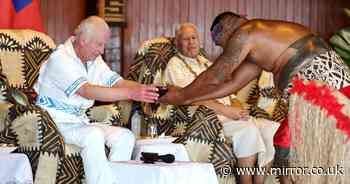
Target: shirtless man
249 46
252 139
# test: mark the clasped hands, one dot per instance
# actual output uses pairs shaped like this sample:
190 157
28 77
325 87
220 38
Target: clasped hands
147 93
150 94
144 93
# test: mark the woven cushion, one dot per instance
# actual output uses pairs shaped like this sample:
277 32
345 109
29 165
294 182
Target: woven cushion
38 137
205 141
21 54
109 114
266 101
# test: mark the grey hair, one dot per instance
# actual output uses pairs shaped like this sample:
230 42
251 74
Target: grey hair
179 28
89 26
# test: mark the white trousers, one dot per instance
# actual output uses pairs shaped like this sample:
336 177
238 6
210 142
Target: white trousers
252 137
92 139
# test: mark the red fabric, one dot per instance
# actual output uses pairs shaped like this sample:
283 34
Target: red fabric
26 17
282 135
345 91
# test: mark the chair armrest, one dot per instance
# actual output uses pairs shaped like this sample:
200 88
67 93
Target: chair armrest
35 130
107 114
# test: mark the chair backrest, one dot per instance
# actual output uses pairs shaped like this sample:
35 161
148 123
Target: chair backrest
150 62
21 54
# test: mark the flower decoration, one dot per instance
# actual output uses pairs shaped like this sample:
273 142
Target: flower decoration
324 97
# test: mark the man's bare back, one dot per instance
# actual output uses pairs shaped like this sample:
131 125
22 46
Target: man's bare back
269 42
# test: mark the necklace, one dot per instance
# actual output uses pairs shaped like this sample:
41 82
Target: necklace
189 68
195 74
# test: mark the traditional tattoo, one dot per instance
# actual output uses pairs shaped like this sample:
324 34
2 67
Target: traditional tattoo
231 58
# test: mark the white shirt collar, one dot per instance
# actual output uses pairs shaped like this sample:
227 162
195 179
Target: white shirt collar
68 45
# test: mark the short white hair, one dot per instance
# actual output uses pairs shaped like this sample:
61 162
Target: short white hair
181 27
89 26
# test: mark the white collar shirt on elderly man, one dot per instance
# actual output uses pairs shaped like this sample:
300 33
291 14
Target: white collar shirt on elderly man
182 70
62 75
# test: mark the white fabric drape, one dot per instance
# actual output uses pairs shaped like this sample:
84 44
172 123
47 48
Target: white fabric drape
15 168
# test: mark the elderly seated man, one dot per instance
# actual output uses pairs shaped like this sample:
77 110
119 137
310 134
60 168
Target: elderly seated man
69 82
252 139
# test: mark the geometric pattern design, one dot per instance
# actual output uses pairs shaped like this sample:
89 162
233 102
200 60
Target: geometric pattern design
33 48
148 63
71 170
49 140
9 43
175 125
180 117
150 60
3 83
52 141
12 64
73 87
205 125
327 67
109 114
222 158
26 127
205 128
279 111
61 106
35 52
8 136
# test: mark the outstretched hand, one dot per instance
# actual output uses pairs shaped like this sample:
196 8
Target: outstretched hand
173 96
144 93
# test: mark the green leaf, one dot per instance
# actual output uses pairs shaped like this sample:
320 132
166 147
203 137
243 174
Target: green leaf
341 39
342 53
